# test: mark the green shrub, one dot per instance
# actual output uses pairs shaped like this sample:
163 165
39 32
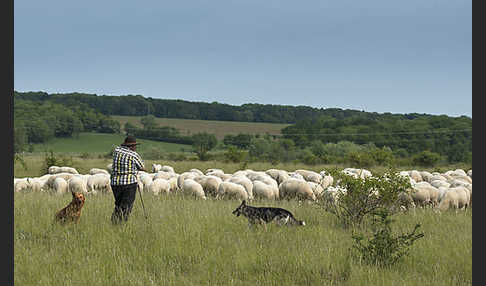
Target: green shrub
384 248
364 197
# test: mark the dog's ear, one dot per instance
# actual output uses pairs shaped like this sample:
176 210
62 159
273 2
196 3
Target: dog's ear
243 203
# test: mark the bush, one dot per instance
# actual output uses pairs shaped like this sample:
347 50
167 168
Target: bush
384 249
426 158
233 154
364 197
52 160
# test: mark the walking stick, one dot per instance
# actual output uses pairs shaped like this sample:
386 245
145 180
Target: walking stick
141 200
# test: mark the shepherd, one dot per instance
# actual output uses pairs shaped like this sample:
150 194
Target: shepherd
126 164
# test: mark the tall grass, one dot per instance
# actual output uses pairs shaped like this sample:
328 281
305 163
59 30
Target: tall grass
192 242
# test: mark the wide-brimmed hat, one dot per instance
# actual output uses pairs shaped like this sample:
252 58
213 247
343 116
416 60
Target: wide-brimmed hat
130 141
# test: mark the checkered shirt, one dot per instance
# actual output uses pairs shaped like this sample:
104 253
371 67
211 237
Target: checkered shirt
126 164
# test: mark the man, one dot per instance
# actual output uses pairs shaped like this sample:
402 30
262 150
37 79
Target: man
126 164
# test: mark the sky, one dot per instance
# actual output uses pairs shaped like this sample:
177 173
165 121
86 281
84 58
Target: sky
394 56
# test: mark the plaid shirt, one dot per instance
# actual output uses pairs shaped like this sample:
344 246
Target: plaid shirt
126 164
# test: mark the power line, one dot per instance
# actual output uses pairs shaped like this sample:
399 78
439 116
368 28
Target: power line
374 134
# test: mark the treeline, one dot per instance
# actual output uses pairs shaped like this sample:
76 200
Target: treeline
37 122
447 136
137 105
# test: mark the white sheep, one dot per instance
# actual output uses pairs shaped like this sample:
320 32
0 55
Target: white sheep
21 185
50 181
159 186
66 169
245 182
156 168
183 176
77 184
295 188
310 176
209 183
261 190
109 168
94 171
327 181
230 190
415 175
54 170
426 176
167 168
60 186
193 188
316 188
440 183
99 182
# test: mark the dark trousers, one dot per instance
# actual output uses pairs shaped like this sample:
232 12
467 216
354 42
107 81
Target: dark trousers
124 198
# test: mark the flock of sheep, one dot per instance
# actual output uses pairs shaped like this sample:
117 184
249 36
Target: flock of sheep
451 189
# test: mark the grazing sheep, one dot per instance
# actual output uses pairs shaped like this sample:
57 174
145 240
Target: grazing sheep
71 170
77 185
316 188
230 190
405 201
426 176
209 183
440 183
197 171
145 179
419 194
449 201
415 175
167 168
327 181
156 168
50 181
245 182
163 175
278 175
295 188
158 186
54 170
310 176
94 171
262 190
183 176
99 182
193 188
22 185
469 173
60 186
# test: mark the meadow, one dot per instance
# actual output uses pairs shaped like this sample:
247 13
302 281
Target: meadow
218 128
190 242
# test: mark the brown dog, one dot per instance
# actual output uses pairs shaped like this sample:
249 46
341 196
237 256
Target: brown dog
72 212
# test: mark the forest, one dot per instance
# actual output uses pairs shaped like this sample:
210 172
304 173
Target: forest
314 132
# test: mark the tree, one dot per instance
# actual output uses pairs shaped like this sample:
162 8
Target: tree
148 122
203 143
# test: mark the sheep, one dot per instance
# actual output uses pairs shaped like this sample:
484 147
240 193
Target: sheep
405 201
173 184
357 173
426 176
440 183
433 194
197 171
245 182
21 185
332 194
77 184
469 173
183 176
156 168
209 183
212 171
99 182
54 170
145 179
420 196
167 168
94 171
316 188
163 175
193 188
262 190
295 188
230 190
450 200
310 176
327 181
50 181
158 186
60 186
415 175
71 170
278 175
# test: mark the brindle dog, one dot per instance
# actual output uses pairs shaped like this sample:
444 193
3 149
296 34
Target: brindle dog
264 215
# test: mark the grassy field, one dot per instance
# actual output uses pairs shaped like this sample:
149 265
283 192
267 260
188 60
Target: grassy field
190 242
98 143
219 128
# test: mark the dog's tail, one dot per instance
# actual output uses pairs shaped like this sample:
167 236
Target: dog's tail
296 221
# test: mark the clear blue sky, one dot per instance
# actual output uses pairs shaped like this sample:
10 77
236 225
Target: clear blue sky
375 55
